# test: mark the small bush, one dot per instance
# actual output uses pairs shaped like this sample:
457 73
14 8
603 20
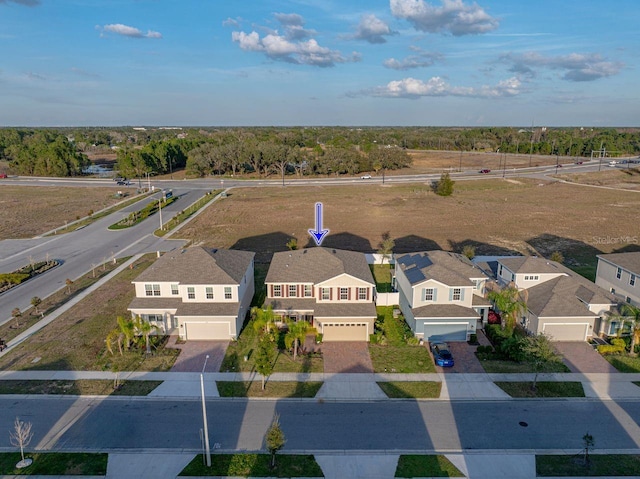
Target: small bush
512 348
617 346
413 341
473 338
484 349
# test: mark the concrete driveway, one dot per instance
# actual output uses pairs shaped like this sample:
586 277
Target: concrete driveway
580 357
193 354
346 357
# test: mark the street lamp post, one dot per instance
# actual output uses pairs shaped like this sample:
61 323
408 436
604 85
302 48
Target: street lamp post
160 209
204 415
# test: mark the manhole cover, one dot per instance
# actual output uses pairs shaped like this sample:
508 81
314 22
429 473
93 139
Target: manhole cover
523 424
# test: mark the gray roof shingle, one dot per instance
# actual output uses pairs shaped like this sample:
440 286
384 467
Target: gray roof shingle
318 264
531 265
629 261
197 265
445 267
444 311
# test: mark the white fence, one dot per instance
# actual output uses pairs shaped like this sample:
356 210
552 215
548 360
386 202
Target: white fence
375 258
387 299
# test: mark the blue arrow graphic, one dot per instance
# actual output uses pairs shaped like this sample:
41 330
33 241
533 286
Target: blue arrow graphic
318 234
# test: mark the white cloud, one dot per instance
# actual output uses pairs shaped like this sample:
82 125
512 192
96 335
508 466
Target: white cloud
420 60
127 31
576 66
372 29
454 16
293 26
231 22
436 86
26 3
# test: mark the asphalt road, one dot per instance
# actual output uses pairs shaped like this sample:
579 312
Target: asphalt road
108 424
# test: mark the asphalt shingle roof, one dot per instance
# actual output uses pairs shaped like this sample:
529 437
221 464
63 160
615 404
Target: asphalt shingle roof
197 265
531 264
629 261
444 311
315 265
448 268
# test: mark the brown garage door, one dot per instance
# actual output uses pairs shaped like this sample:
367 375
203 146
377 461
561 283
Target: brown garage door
207 330
344 332
566 332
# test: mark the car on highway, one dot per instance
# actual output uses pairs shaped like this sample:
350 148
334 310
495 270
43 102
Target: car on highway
365 177
579 162
485 170
613 163
123 183
3 175
441 354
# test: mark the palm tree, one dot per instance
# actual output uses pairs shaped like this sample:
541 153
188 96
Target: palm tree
263 319
127 330
629 312
144 328
114 336
296 334
510 304
35 302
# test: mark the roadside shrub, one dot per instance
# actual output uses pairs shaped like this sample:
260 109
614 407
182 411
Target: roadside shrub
617 346
512 348
473 338
413 341
497 335
484 349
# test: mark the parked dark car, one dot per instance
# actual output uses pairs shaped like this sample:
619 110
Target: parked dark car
485 170
494 317
579 162
441 354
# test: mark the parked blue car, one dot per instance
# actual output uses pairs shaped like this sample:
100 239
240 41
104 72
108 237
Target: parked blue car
441 354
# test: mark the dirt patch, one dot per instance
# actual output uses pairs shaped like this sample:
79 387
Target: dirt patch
613 178
28 211
495 216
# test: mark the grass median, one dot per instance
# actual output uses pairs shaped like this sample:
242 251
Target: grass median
273 389
544 389
603 465
79 387
55 464
254 465
418 465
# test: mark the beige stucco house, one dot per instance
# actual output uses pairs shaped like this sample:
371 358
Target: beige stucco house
196 293
332 289
441 295
560 302
619 273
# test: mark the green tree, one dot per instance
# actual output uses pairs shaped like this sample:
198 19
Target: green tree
145 329
557 257
127 329
469 251
510 304
274 439
292 244
630 313
265 357
35 302
385 248
296 334
114 336
16 314
444 187
539 351
263 320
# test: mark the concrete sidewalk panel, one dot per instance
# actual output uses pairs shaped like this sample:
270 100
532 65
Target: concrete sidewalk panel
158 466
350 390
611 390
492 466
360 466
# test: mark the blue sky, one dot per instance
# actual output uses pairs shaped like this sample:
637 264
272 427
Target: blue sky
319 62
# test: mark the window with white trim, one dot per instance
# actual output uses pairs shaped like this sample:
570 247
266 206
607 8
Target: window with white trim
293 290
174 290
277 290
457 294
428 294
344 293
152 289
618 273
531 277
227 292
308 291
632 279
155 318
362 293
209 292
326 293
191 292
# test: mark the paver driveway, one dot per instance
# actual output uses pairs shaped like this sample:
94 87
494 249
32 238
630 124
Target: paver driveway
346 357
193 354
464 357
580 357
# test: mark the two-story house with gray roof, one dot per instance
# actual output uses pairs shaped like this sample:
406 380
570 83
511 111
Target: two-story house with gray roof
441 295
619 273
332 289
196 293
560 302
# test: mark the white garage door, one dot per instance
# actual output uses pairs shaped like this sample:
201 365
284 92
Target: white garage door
207 330
445 332
566 331
344 332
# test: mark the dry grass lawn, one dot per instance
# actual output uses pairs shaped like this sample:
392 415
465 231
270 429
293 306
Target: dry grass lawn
496 216
611 177
28 211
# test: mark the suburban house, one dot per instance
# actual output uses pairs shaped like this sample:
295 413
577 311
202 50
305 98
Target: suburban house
619 273
332 289
560 302
196 293
441 295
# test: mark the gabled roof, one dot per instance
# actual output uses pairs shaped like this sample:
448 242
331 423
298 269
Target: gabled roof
629 261
530 265
444 311
565 296
315 265
197 265
448 268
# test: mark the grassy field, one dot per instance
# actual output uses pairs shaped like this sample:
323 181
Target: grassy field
382 276
611 177
254 465
411 389
80 387
605 465
75 340
273 389
30 211
418 465
496 216
55 463
543 389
